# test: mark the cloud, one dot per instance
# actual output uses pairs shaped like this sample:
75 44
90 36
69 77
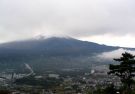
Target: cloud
114 54
112 40
20 19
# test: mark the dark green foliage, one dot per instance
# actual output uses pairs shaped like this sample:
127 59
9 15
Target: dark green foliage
4 92
110 89
125 70
46 83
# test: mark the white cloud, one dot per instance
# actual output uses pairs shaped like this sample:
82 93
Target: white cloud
112 40
20 19
114 54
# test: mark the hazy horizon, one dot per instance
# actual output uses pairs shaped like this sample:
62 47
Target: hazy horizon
53 36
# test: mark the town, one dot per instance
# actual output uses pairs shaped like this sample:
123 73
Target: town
74 82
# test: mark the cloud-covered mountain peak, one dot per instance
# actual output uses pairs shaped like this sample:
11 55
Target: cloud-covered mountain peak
43 37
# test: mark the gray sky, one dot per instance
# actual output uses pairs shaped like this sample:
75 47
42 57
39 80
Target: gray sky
108 22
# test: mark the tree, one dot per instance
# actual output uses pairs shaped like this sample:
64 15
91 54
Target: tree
4 92
110 89
125 70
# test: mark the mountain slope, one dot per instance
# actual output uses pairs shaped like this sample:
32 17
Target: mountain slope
54 46
50 53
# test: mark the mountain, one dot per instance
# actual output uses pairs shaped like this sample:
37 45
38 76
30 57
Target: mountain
50 53
54 46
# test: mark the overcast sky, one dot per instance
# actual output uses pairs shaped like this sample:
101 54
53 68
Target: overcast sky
110 22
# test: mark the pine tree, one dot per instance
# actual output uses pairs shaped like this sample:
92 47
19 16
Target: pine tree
125 70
